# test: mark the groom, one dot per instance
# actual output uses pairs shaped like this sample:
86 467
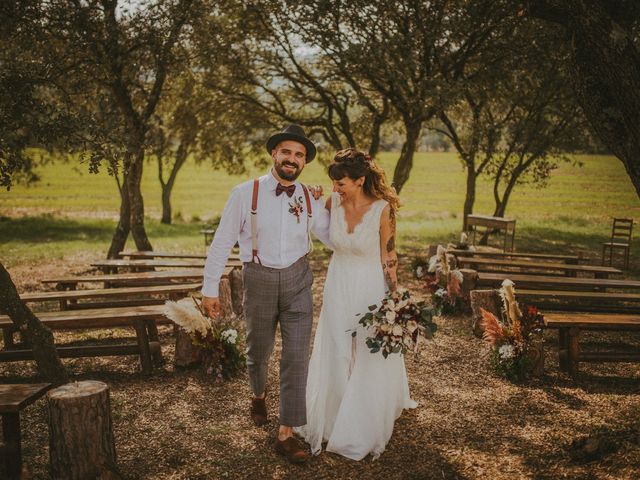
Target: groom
271 218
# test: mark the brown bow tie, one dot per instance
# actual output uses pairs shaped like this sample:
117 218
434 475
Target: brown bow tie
290 189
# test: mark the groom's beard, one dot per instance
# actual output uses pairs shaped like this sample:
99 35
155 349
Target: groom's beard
286 175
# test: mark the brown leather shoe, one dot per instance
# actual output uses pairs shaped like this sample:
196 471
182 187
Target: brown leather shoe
259 411
291 450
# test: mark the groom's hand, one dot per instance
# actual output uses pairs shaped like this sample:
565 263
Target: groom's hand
211 306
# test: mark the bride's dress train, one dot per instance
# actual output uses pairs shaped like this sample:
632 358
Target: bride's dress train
353 396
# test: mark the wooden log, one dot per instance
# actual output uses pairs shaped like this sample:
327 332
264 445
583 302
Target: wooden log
224 294
488 300
535 353
469 281
237 290
187 354
81 442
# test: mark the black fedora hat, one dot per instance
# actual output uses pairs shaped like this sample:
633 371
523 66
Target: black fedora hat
296 133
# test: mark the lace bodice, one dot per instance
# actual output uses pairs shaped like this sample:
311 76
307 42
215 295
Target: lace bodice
364 242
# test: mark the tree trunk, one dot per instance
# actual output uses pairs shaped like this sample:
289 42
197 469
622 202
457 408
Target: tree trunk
81 443
36 334
606 76
405 162
121 233
136 203
470 194
166 204
167 188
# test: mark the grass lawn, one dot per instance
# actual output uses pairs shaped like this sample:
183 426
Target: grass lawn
71 210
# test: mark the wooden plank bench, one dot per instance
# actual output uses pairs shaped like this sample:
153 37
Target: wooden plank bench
13 399
531 267
570 325
610 302
68 298
150 255
541 282
137 278
143 319
109 265
568 259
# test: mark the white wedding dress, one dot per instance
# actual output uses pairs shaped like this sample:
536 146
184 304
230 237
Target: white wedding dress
353 396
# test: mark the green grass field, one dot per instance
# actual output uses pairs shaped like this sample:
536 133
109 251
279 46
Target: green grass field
71 210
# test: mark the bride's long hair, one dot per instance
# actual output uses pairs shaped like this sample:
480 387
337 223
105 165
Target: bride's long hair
354 164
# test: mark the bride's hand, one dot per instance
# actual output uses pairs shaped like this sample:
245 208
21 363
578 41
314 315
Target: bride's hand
316 191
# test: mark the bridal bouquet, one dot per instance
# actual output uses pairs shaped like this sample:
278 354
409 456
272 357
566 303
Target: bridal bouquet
223 356
398 324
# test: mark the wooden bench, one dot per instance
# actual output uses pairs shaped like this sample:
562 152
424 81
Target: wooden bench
149 255
541 282
532 267
68 298
143 319
13 399
568 259
110 265
611 302
139 278
570 325
493 223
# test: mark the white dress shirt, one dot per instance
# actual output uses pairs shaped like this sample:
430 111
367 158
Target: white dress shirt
282 237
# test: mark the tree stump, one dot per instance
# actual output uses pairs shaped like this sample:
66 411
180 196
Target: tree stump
187 354
237 290
81 443
224 294
536 354
487 299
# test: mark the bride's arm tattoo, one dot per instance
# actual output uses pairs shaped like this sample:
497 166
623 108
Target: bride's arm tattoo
388 252
391 243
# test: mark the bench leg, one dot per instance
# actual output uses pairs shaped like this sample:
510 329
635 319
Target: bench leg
563 349
152 331
143 345
12 448
574 351
7 336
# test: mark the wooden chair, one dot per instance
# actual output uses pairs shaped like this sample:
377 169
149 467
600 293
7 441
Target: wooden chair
620 239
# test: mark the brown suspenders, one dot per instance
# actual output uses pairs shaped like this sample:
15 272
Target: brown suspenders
254 218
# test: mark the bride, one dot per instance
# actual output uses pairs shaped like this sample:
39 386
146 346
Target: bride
353 396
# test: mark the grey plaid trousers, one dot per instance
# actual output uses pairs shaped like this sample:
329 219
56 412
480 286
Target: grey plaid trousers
273 296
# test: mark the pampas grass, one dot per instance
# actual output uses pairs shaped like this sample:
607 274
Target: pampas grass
187 314
493 331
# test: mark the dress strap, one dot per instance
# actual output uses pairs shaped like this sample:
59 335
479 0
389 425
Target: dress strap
254 222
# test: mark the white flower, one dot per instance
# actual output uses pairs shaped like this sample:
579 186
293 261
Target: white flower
397 330
386 328
463 238
506 352
419 271
441 292
412 325
230 336
391 316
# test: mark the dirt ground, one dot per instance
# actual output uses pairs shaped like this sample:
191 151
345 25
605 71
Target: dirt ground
469 424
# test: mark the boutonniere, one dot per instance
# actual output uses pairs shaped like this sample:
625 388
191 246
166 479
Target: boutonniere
295 207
